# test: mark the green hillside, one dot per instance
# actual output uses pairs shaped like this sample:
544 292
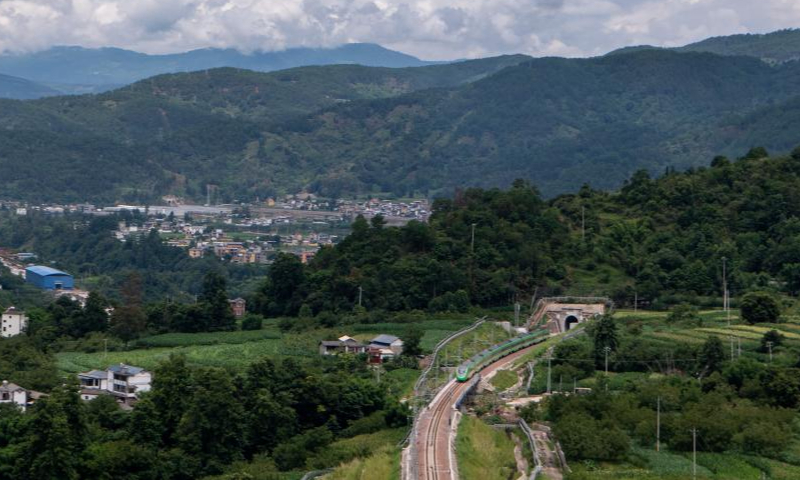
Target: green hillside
775 47
343 130
558 122
176 133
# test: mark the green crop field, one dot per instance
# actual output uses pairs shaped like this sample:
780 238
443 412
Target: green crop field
238 349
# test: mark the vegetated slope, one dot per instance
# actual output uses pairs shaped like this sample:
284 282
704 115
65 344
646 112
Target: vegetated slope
76 67
779 46
558 122
775 47
340 130
22 89
175 133
661 240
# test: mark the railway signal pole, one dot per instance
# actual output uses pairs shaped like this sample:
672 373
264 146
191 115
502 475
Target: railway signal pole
694 453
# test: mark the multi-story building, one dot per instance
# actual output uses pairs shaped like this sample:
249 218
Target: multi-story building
14 322
122 381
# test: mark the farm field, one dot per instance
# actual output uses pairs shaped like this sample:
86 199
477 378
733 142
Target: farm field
236 350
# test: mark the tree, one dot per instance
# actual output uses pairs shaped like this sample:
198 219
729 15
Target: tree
171 382
216 307
94 317
411 341
712 355
773 337
281 292
128 320
604 335
56 440
759 307
211 428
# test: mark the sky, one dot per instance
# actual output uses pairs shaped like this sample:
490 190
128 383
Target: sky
429 29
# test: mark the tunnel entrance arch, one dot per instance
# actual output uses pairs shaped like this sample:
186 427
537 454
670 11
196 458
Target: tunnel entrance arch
570 321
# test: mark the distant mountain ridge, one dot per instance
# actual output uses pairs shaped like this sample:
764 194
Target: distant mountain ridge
23 89
775 47
81 70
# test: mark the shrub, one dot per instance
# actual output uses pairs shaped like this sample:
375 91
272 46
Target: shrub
252 322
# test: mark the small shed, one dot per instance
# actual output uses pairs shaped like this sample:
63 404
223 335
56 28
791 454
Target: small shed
48 278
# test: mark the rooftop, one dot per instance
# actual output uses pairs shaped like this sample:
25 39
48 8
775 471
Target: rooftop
385 339
122 369
9 387
45 271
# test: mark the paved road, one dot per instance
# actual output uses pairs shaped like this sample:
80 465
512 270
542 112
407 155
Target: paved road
435 458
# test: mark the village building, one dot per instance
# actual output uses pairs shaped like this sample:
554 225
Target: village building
14 322
239 307
124 382
12 393
344 344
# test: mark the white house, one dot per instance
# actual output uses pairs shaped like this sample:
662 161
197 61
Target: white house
14 322
11 393
121 381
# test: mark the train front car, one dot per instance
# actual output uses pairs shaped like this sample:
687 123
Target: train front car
463 371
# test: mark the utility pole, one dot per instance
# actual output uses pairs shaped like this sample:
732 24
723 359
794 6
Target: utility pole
658 424
732 350
360 293
769 346
472 245
549 371
516 314
694 453
583 224
725 288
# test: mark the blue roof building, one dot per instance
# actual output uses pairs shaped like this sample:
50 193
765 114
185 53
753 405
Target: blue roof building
48 278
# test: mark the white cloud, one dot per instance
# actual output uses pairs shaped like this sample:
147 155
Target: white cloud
435 29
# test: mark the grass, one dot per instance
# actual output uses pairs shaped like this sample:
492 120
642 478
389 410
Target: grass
342 452
381 465
482 452
504 379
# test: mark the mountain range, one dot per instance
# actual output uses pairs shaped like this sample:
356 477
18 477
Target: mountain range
340 130
83 70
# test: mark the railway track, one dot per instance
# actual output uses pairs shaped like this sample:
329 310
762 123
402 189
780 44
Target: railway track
436 463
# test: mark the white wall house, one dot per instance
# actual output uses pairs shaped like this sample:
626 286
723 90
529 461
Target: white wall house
13 322
121 381
11 393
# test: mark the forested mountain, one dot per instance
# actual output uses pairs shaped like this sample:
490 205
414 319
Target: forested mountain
74 69
179 132
343 130
557 122
775 47
22 89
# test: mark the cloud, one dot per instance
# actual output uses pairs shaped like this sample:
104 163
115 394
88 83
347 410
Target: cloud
433 29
